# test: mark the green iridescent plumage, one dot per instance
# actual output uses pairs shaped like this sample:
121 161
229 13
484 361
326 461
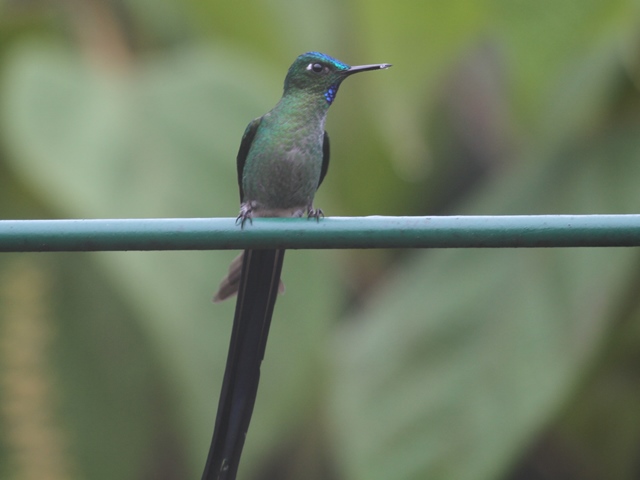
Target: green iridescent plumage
284 155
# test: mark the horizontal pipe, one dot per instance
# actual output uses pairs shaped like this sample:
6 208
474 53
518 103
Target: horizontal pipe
334 232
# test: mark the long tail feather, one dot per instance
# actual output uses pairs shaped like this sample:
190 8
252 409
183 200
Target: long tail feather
257 295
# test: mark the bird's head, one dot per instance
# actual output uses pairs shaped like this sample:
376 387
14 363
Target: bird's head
319 74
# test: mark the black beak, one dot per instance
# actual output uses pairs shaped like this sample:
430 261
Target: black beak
364 68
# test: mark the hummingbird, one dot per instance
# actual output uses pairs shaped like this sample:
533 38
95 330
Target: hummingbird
282 160
284 155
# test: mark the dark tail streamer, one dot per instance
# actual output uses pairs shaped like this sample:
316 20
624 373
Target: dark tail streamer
254 308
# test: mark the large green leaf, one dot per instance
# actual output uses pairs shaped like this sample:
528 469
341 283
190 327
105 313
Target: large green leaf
453 367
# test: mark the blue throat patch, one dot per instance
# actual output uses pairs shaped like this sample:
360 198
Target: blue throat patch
330 94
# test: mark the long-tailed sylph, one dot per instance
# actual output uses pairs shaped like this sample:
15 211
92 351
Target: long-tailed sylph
284 155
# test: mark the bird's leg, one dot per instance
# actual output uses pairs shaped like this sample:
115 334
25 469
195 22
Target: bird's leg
246 213
316 213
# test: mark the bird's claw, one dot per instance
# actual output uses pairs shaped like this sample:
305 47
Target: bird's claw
246 213
316 213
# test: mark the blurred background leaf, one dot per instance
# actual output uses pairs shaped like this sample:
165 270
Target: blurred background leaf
418 364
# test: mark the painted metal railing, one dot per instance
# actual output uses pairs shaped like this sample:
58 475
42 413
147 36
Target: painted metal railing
329 233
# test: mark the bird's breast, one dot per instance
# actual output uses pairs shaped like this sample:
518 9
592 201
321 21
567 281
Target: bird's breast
282 170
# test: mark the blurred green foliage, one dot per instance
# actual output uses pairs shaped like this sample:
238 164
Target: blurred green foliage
462 364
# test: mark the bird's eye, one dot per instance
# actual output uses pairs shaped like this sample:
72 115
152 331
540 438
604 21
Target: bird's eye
316 67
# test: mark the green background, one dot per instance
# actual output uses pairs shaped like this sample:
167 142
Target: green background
404 365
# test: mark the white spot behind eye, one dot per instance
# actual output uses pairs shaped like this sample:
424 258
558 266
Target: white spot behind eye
310 66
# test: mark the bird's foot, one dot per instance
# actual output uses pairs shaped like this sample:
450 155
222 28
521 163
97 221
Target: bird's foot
316 213
246 213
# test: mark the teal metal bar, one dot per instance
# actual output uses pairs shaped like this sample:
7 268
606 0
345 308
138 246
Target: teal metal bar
334 232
